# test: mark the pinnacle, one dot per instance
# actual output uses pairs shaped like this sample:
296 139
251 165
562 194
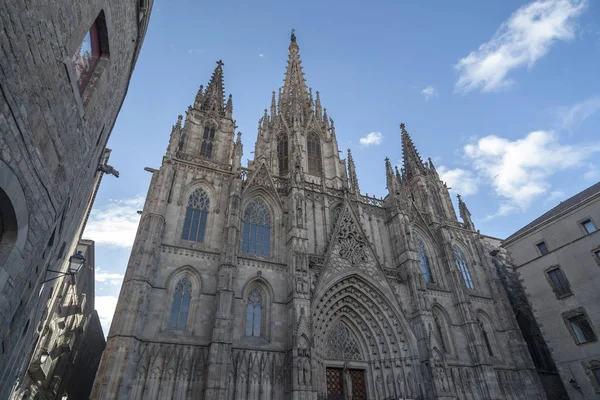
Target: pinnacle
413 164
214 96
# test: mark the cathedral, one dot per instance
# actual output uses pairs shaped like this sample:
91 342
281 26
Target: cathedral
283 281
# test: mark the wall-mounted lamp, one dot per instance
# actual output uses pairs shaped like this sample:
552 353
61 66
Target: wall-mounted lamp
44 356
75 263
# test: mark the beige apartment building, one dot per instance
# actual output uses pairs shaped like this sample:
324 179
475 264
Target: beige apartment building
557 257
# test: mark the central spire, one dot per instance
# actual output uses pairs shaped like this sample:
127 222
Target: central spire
294 102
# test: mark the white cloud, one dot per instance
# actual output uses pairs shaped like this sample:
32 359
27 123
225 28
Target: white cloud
522 40
261 55
114 278
429 92
106 305
519 170
573 116
593 173
115 223
461 181
373 138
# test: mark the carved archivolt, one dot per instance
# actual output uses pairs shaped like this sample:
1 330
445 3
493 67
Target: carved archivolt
342 344
359 303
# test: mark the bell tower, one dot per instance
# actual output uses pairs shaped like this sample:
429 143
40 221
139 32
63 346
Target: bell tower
207 134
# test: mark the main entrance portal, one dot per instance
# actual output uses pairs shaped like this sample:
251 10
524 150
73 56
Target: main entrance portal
345 384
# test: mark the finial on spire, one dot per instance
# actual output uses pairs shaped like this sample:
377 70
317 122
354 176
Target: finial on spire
465 214
214 96
413 164
229 106
352 178
293 37
389 176
179 118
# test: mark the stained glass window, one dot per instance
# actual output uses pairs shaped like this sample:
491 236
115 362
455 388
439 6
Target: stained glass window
194 224
423 258
463 267
207 141
257 229
282 154
254 312
181 303
313 148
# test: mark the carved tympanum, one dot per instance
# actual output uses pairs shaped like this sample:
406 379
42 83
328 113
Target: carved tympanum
342 344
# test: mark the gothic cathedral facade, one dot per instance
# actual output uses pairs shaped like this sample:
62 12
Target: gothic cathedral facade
282 281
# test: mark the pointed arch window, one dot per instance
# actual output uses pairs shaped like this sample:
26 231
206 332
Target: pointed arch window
254 312
181 303
313 149
440 331
463 267
207 141
282 154
423 259
196 214
257 229
486 338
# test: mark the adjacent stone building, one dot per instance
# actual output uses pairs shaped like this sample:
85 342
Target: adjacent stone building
64 362
557 257
283 281
64 71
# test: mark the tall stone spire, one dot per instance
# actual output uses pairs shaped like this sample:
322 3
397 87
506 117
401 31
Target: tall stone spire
352 178
214 96
413 164
229 107
465 214
294 101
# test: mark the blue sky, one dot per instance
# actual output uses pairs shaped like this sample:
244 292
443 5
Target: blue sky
503 96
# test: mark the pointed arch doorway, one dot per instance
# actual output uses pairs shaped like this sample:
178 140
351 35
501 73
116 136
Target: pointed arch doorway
344 365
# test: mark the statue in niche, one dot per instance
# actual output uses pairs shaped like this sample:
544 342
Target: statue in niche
299 212
347 382
379 387
307 374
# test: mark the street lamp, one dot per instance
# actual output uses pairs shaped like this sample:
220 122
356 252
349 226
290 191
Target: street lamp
43 356
76 261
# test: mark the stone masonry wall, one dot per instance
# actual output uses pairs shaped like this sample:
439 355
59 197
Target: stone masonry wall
51 140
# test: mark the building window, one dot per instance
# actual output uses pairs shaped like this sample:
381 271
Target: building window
196 214
440 331
181 303
257 229
423 259
580 326
597 254
207 141
313 149
463 266
559 282
589 226
93 47
254 313
542 248
486 338
282 154
596 373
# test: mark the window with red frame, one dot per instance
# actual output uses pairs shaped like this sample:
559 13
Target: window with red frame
93 47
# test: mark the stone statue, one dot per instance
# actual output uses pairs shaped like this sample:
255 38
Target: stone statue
347 383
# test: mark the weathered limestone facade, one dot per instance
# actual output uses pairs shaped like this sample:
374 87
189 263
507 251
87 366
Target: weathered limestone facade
53 132
291 284
561 280
68 351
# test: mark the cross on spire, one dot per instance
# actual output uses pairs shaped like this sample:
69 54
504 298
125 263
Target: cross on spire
220 63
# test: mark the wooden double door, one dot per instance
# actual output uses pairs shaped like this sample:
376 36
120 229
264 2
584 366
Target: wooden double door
335 384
